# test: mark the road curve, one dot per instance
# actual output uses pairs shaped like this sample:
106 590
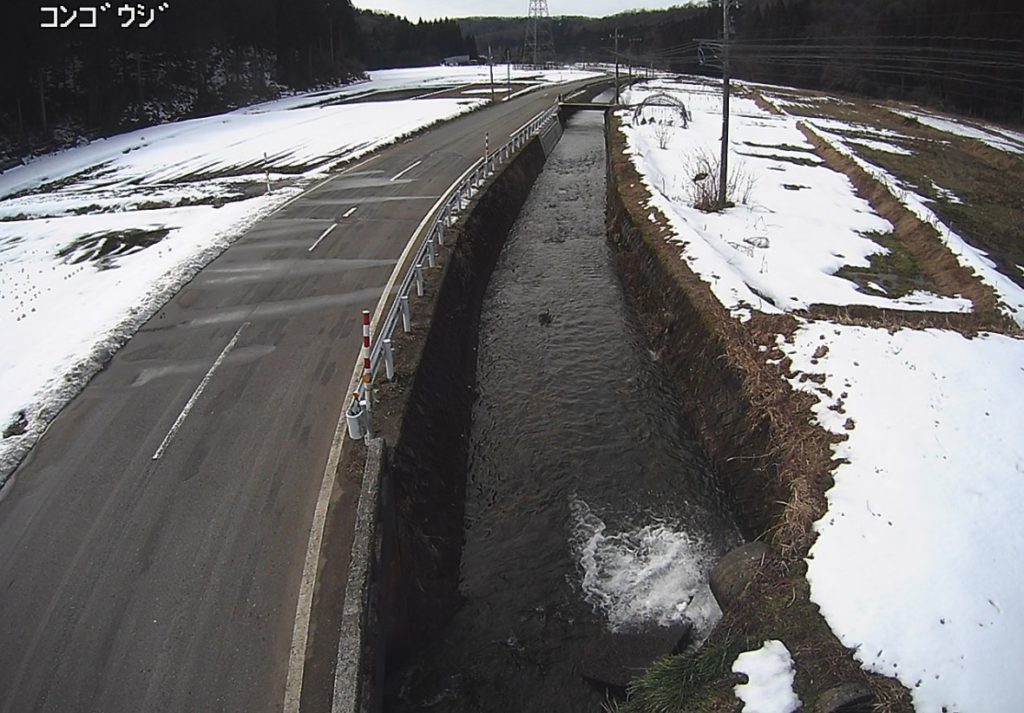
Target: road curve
152 543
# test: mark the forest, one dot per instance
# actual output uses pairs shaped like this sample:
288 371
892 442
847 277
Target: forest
106 71
180 58
966 57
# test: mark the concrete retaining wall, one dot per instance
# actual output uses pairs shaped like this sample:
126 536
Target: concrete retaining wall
403 577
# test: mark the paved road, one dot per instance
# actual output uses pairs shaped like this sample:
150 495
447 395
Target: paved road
129 583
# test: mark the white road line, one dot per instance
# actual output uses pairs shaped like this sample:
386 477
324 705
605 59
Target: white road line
405 171
196 394
322 236
304 605
350 211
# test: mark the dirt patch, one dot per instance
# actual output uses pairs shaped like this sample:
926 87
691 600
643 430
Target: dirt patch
104 248
770 458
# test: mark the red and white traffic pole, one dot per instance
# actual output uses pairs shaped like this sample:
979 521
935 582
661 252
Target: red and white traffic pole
367 366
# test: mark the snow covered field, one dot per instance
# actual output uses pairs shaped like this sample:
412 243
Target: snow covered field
798 223
94 239
845 138
917 564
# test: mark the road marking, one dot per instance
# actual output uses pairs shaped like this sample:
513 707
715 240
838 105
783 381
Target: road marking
322 236
196 394
350 211
405 171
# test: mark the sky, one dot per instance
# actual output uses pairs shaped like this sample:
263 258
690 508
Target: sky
417 9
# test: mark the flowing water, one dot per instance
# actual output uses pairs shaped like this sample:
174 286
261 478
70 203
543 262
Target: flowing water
589 507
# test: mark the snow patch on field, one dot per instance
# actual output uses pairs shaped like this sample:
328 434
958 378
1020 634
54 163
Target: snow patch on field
999 139
1008 292
918 565
799 222
770 674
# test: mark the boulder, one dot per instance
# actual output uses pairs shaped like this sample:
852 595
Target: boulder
735 571
615 658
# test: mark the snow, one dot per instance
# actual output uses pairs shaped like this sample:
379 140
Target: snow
999 139
203 183
769 672
439 77
917 565
918 561
797 226
1008 292
883 146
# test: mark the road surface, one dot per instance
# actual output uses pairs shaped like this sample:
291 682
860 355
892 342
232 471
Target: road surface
152 544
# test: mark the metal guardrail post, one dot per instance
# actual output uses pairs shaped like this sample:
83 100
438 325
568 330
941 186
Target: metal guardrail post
461 196
389 360
406 316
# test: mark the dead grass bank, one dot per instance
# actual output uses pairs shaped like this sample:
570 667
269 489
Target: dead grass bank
761 433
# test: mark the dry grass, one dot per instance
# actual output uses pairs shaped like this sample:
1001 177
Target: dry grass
986 180
920 240
799 459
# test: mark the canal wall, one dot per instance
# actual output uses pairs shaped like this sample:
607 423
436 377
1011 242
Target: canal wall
692 336
410 530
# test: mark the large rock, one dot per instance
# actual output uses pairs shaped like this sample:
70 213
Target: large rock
614 659
735 571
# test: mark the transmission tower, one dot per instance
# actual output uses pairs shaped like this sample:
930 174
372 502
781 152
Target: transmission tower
539 47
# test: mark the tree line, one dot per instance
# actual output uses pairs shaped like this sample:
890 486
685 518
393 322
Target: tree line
195 57
967 57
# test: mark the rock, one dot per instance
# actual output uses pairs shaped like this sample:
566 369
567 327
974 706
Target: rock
735 571
846 698
18 426
614 659
545 318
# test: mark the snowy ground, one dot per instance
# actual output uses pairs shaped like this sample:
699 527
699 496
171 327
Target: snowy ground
846 137
917 565
94 239
769 686
798 223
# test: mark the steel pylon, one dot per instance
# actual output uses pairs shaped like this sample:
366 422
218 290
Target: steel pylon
539 46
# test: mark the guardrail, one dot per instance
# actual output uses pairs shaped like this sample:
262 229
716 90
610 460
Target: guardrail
454 202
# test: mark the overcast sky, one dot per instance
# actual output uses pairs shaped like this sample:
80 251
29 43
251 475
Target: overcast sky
416 9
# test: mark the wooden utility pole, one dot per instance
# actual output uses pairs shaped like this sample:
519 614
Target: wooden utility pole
490 62
723 174
616 36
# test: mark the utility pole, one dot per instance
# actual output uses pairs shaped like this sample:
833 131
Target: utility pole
723 175
490 63
616 36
